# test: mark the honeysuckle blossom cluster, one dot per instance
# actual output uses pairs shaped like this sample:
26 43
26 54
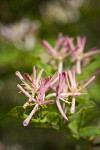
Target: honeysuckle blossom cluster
68 87
65 47
62 89
64 85
77 51
36 90
60 50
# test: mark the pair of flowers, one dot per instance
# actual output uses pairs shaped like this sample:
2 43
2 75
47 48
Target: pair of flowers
63 84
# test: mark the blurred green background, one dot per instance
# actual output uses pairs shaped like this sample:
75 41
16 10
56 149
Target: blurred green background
22 26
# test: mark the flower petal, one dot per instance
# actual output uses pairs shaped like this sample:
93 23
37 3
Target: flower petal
18 74
71 74
47 102
34 76
89 53
48 47
28 77
25 92
61 81
61 110
39 75
81 43
87 83
27 120
59 41
49 83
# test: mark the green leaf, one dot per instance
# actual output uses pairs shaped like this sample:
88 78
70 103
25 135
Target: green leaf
17 111
41 119
76 119
89 131
83 98
49 120
73 126
82 107
53 117
38 120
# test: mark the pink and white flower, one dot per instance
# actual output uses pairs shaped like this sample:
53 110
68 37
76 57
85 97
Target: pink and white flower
36 90
59 51
77 51
68 87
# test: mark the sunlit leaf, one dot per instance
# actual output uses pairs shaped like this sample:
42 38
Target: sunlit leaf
53 117
89 131
17 111
82 107
73 126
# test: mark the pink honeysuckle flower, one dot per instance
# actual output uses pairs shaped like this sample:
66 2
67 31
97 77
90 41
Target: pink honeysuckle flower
68 87
60 50
46 84
77 51
34 82
36 90
73 87
27 120
59 90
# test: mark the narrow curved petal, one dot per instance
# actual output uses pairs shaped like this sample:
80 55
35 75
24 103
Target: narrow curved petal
47 102
59 41
87 83
18 74
34 75
71 44
25 92
81 43
39 75
48 47
27 120
71 74
28 77
49 83
90 53
59 88
61 110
